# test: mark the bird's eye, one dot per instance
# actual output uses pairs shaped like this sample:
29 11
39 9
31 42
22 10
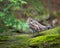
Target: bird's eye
30 20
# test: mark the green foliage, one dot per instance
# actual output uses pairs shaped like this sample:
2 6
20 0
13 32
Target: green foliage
17 2
56 13
20 25
2 14
35 9
49 37
7 13
1 0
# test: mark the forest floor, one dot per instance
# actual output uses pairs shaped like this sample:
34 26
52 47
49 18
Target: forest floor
18 40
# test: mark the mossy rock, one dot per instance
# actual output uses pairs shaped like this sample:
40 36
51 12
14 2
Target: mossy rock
47 38
15 41
51 32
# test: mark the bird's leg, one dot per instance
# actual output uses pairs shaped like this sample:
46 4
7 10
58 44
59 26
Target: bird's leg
33 33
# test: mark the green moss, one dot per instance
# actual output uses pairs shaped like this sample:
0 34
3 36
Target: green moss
51 32
49 37
15 41
42 39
